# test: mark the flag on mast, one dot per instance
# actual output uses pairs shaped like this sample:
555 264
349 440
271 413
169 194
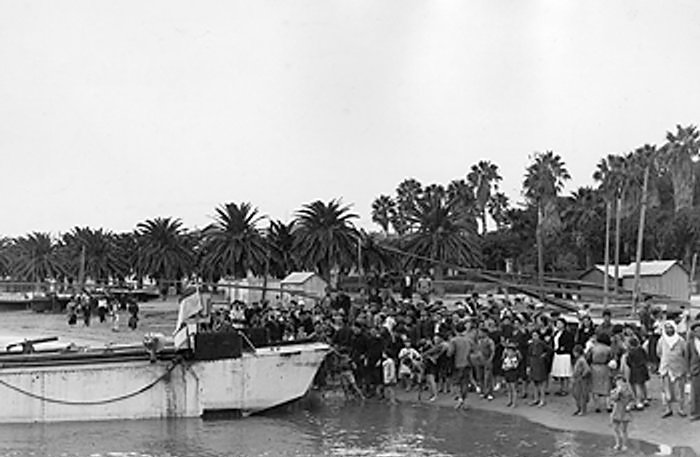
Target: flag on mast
190 305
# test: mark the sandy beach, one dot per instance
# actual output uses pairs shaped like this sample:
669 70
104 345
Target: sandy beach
160 316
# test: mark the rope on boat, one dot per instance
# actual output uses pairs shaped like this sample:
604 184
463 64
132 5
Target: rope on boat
93 402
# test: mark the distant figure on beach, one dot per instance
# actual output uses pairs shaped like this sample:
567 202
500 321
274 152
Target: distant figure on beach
620 417
86 309
133 314
72 313
102 309
115 317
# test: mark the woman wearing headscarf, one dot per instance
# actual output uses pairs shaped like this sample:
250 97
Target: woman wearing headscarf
673 367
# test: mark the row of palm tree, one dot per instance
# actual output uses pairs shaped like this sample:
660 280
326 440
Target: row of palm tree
447 223
322 237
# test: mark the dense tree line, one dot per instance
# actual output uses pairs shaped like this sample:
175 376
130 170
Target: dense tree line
468 222
560 233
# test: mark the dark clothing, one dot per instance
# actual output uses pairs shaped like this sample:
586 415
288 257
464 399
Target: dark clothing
637 363
583 334
427 329
565 342
538 358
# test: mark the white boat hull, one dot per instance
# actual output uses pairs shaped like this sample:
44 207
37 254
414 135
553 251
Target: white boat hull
139 389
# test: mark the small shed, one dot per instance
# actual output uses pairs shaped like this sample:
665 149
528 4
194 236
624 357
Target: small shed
311 285
596 275
658 277
662 277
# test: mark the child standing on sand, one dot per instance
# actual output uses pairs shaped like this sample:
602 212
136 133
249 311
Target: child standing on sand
389 374
620 397
580 381
511 360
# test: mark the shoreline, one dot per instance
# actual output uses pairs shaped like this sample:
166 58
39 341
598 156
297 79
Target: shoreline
160 316
674 435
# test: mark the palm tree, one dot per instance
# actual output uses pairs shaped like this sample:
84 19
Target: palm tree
103 257
128 248
5 256
407 194
484 179
544 179
375 258
383 207
498 207
677 157
325 237
611 173
442 234
280 239
233 244
35 258
164 253
461 193
583 216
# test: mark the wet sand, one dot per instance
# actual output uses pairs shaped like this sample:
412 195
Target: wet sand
160 317
671 433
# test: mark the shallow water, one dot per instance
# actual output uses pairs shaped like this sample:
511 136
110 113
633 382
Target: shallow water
332 428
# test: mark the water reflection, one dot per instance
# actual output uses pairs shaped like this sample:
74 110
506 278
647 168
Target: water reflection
333 429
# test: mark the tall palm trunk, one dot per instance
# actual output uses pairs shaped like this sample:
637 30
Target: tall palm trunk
640 241
618 217
483 221
540 249
606 276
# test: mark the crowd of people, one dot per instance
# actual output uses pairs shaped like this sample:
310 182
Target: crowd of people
85 305
483 346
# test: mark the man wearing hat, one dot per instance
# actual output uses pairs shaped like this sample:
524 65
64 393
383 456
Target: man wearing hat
694 369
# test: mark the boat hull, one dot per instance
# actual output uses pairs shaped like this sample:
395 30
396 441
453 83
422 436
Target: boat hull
138 389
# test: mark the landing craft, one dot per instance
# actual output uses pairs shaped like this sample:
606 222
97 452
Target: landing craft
195 374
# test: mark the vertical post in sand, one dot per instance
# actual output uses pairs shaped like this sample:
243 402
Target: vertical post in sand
640 242
606 276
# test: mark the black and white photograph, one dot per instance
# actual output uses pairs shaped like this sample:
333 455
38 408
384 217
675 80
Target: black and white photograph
349 228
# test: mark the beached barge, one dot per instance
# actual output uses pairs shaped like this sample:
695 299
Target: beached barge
214 375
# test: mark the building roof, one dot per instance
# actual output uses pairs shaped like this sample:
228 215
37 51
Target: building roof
646 268
298 277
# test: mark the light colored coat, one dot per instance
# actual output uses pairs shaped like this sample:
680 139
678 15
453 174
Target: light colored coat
673 359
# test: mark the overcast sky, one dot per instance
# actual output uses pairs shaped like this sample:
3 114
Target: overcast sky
115 112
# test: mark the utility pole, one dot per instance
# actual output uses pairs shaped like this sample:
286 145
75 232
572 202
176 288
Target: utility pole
692 275
640 242
606 276
618 217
